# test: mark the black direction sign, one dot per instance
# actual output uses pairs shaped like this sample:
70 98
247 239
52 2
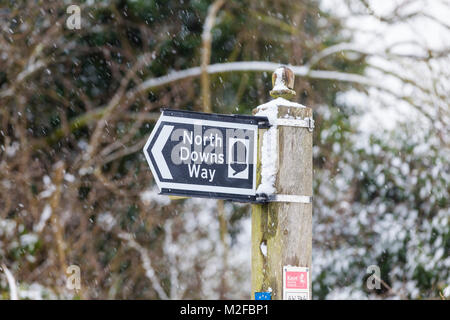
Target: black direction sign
204 155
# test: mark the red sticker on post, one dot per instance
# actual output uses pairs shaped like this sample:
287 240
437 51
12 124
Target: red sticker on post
295 283
296 280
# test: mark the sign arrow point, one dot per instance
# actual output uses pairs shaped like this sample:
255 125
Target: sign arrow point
157 152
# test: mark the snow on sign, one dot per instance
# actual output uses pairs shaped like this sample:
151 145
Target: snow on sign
295 283
204 155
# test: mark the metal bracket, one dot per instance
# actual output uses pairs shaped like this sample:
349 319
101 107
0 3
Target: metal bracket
263 122
263 198
307 122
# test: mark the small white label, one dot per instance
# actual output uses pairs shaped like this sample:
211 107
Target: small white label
295 283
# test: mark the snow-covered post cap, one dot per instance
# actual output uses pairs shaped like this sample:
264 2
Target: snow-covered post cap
283 83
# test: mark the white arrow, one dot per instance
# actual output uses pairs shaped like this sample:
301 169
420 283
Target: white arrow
157 152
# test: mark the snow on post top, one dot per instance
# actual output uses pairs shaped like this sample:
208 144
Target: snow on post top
283 83
270 109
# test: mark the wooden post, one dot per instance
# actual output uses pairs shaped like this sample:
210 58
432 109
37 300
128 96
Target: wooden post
282 231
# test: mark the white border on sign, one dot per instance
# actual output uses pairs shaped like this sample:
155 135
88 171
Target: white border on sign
197 187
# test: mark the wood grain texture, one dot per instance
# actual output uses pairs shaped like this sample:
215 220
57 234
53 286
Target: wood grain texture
285 228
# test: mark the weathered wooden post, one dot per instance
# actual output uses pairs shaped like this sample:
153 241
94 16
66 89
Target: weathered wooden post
282 227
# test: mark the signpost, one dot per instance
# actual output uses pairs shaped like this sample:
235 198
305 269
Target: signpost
195 154
283 227
205 155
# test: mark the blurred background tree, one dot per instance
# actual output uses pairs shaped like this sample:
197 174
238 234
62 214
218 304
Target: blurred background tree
76 107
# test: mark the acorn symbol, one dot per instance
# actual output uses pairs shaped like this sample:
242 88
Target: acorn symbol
239 152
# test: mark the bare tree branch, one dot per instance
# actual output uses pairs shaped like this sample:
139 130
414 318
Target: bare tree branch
146 263
11 283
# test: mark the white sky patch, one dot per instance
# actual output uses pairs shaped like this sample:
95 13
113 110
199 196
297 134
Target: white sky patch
390 43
